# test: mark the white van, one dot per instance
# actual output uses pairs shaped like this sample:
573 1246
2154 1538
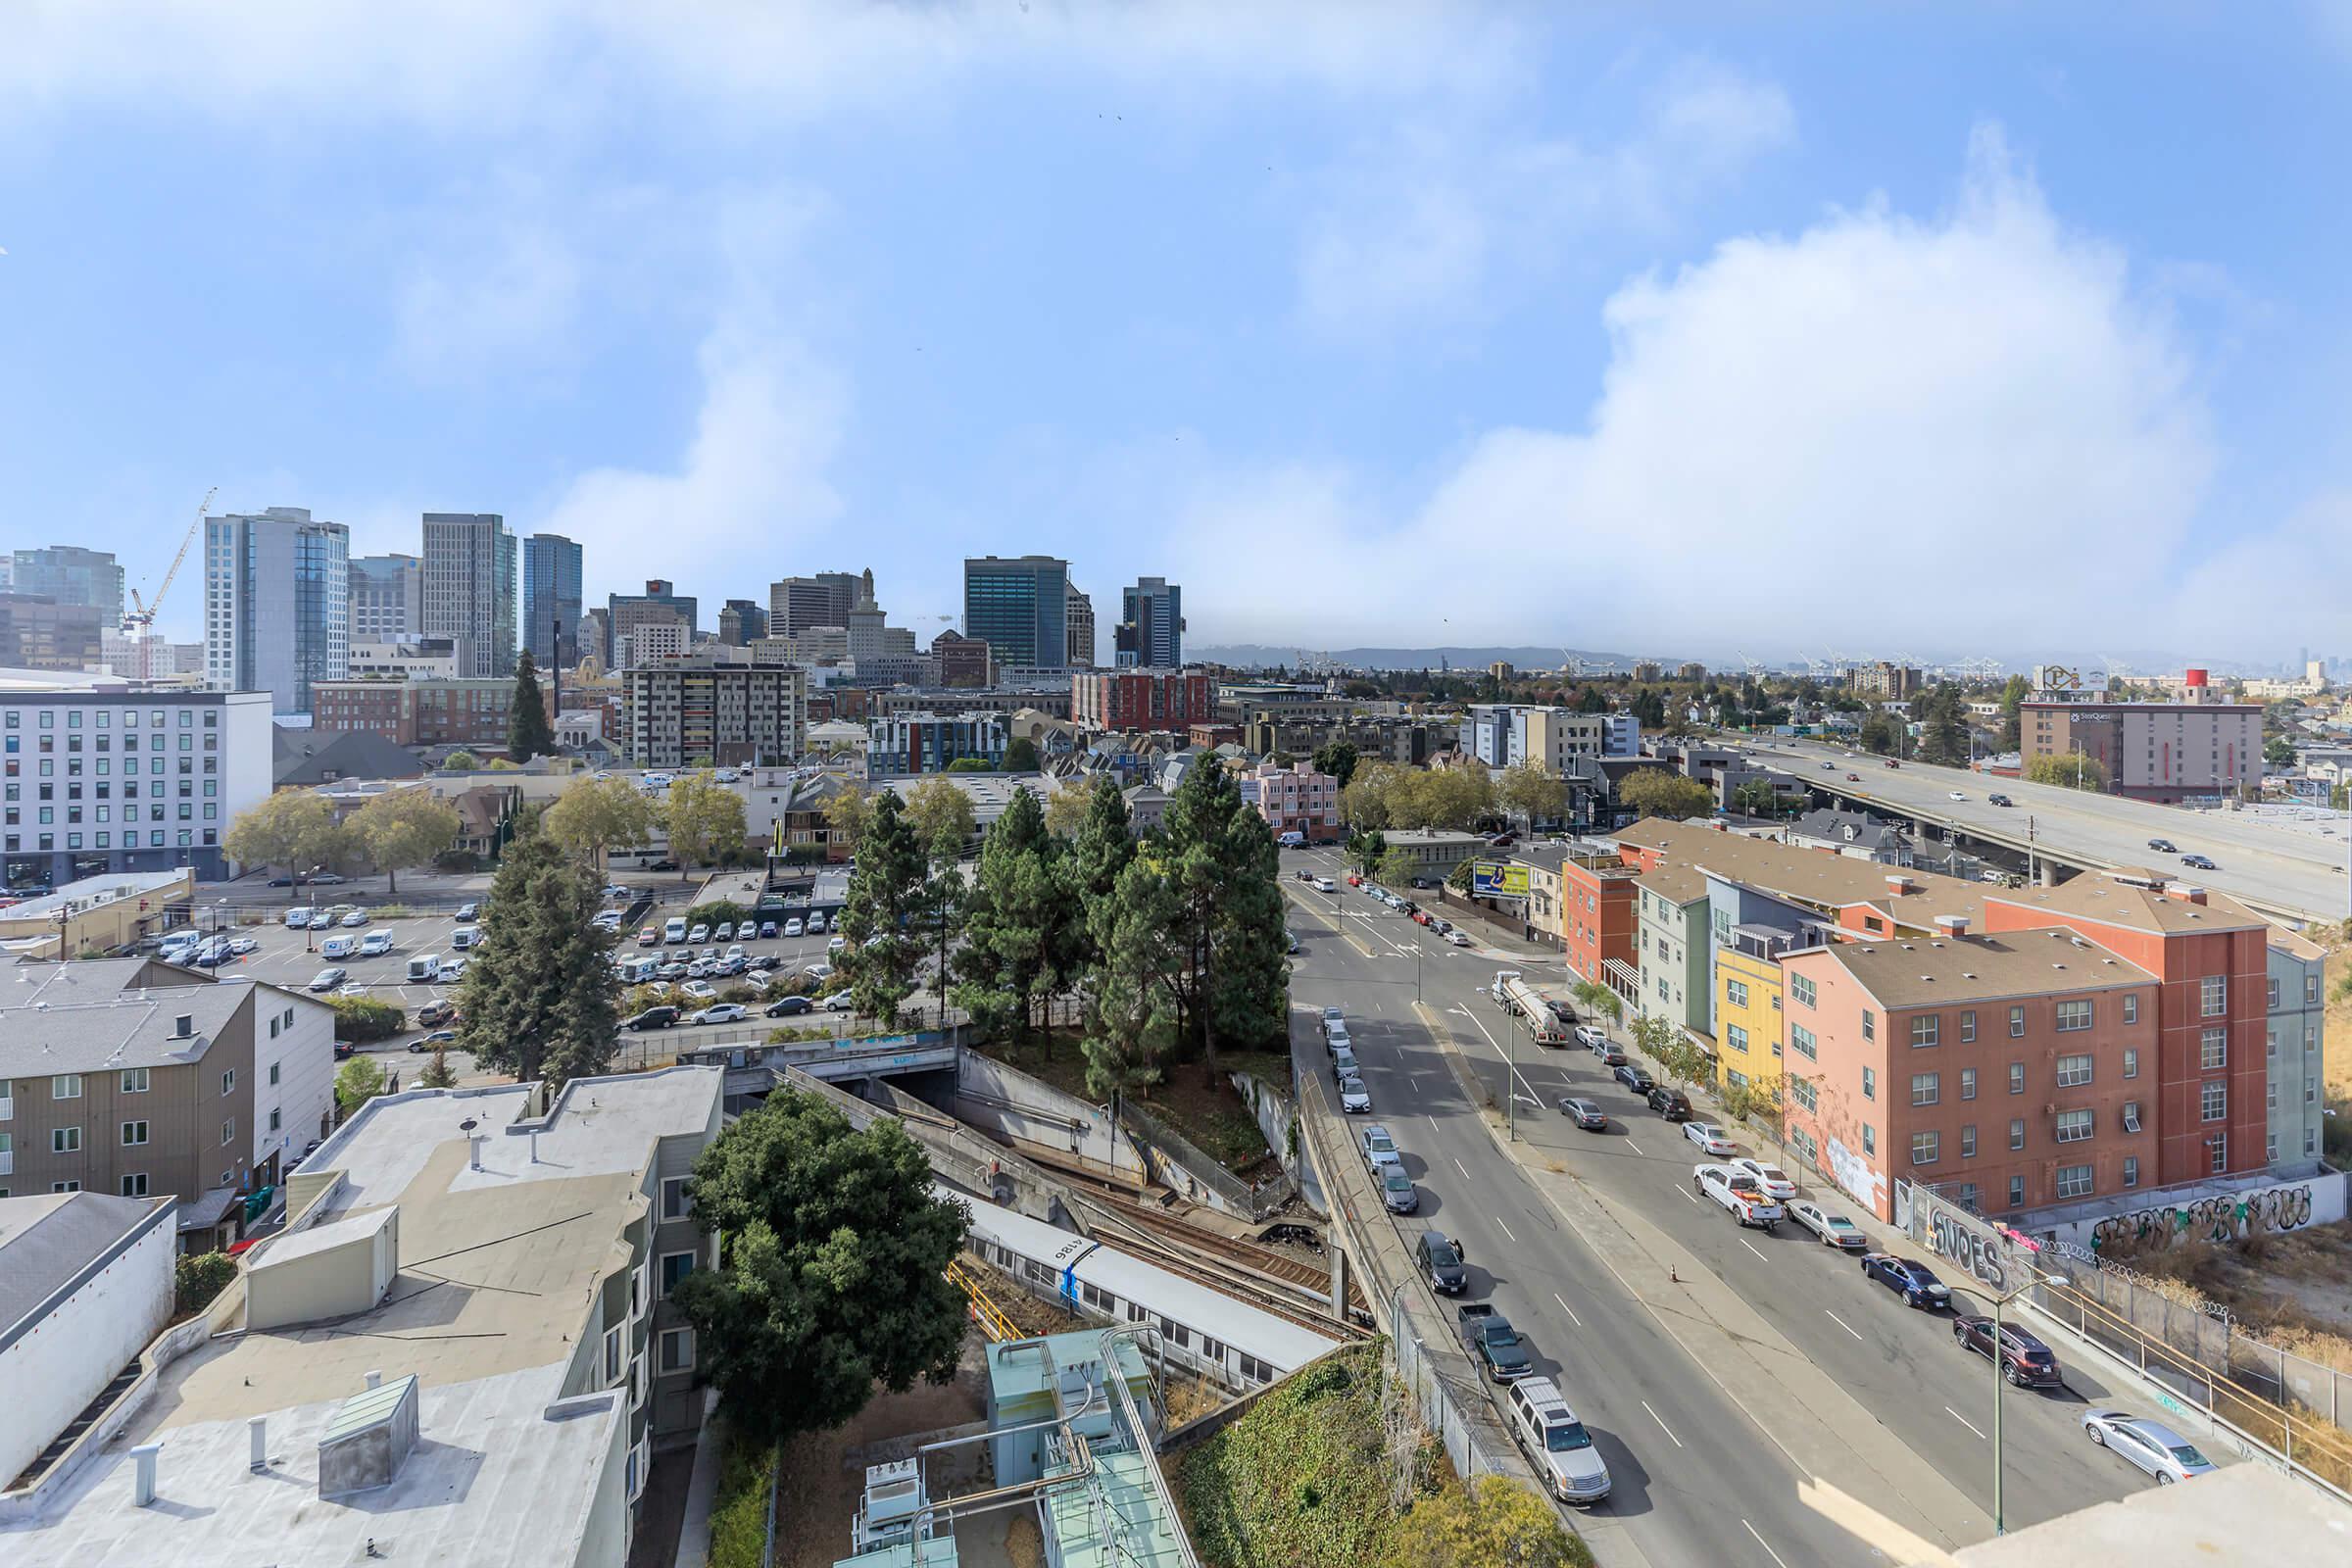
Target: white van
426 968
1557 1443
375 944
635 971
338 946
465 936
674 929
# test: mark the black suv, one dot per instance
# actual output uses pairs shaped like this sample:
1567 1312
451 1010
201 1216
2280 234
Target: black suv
1670 1103
1441 1260
2024 1361
652 1018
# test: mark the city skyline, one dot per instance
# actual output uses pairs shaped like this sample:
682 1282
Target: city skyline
1727 325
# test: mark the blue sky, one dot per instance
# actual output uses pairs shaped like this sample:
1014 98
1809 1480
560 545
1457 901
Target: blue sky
1691 329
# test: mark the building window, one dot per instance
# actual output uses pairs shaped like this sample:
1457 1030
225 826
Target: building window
2217 1149
1968 1026
1968 1141
2017 1023
1927 1088
273 1074
133 1081
2213 996
2131 1170
2213 1049
1735 992
1870 1024
2131 1115
65 1086
1926 1148
1968 1083
2074 1181
1927 1029
2074 1071
2130 1009
2272 998
1870 1138
674 1203
134 1133
2017 1077
2311 987
229 1131
1800 1040
1870 1082
2017 1191
1735 1038
64 1140
677 1349
1802 988
2074 1126
1805 1092
228 1083
675 1266
2213 1101
2017 1132
2131 1061
134 1184
2074 1015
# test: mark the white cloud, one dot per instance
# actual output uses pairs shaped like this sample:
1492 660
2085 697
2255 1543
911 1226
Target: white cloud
498 300
1874 429
1427 223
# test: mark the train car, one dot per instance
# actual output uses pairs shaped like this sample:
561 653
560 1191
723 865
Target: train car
1201 1330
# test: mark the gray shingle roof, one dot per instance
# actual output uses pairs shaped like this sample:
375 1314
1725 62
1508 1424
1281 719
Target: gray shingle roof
48 1239
93 1018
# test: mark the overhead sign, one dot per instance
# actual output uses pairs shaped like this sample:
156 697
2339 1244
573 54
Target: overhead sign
1498 879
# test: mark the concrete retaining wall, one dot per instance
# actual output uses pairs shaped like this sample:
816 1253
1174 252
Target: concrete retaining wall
1278 1121
1014 1105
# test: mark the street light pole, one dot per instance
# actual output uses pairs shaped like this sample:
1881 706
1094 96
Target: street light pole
2036 1277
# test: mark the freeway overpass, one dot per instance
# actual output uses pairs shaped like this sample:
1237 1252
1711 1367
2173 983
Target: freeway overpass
2294 871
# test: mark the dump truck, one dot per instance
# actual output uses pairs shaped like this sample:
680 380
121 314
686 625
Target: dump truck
1539 1012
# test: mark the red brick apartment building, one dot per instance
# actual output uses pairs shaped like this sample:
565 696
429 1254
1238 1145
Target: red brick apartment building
1600 919
423 712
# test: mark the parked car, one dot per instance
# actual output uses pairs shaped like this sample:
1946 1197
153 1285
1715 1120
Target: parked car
818 972
790 1008
699 933
435 1013
650 936
2025 1362
1769 1177
1458 937
1441 1261
1739 1194
1379 1147
295 920
1488 1335
836 945
841 1002
1585 1114
1915 1283
375 944
767 929
725 931
1708 1137
468 910
2150 1445
326 979
1637 1079
1396 1189
699 990
452 971
1556 1443
722 1012
661 1017
1834 1229
426 1043
817 922
1354 1098
1670 1103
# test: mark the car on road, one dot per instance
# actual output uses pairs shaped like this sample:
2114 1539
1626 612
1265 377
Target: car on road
721 1012
1556 1443
1915 1283
841 1002
2150 1445
326 879
2164 846
1769 1177
1324 884
790 1008
2025 1362
661 1017
1380 1149
2198 863
1891 763
1637 1079
1396 1189
1739 1194
1828 766
1441 1261
1670 1103
1708 1137
1585 1114
1834 1229
426 1043
1458 937
326 979
1488 1335
1354 1098
2000 800
614 890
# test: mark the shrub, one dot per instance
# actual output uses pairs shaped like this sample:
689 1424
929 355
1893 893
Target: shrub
717 911
361 1019
198 1279
739 1516
457 861
787 1035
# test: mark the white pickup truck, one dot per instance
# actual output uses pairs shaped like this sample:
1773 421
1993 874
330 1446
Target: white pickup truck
1740 1193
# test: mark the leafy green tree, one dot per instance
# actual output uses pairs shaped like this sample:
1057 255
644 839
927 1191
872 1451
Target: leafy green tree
1020 755
968 764
1489 1522
292 828
832 1278
529 732
2013 696
438 1072
2278 751
404 829
357 1081
1757 797
944 894
1460 878
594 817
1364 799
1943 726
1527 790
1338 758
887 891
1882 733
2078 771
1368 850
849 814
538 997
704 818
1661 793
1020 919
1649 707
460 762
936 806
1591 699
1677 1054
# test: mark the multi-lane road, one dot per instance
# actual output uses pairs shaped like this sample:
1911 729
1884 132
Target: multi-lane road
1709 1405
2294 867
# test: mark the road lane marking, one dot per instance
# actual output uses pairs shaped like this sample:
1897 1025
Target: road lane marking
1761 1542
1962 1420
1570 1310
1636 1147
1506 1231
1662 1426
1745 1242
1457 1165
1842 1323
1432 1124
1686 1191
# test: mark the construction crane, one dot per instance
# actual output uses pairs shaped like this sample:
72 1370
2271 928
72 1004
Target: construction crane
139 621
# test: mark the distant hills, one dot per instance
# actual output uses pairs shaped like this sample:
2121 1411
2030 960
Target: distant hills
1257 655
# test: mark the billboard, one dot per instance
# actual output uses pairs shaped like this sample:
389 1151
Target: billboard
1497 879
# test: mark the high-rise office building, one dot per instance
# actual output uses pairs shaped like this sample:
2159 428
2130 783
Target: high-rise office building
276 604
1019 605
469 589
797 604
741 623
72 575
1081 631
659 605
387 599
1152 624
551 599
36 632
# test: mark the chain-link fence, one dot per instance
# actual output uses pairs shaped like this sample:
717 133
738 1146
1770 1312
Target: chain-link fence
1440 1401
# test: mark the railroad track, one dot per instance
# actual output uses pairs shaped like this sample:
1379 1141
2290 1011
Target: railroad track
1313 1277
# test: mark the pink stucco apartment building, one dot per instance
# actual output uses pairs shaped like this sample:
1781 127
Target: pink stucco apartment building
1296 800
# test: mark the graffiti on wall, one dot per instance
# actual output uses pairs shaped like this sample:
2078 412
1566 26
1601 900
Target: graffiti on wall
2225 1217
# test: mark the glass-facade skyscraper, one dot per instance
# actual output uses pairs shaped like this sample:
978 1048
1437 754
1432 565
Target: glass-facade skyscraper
469 589
550 600
1019 605
276 604
1150 632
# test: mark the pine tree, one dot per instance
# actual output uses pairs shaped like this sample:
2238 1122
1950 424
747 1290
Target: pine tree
437 1073
1225 873
529 733
886 890
1133 1020
1099 854
538 996
1019 919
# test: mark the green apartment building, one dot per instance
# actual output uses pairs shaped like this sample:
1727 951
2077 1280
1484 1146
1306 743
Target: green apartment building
1678 984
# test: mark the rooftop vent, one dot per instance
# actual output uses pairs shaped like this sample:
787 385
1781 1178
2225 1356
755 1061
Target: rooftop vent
368 1439
183 1027
1952 925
